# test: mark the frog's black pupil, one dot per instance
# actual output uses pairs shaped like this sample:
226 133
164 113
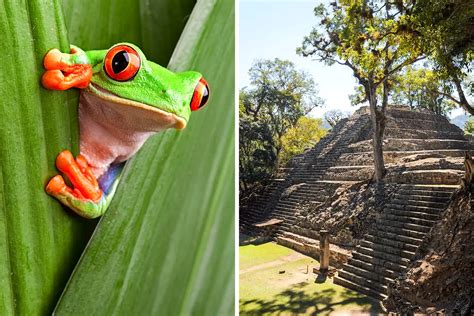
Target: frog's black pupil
205 96
120 61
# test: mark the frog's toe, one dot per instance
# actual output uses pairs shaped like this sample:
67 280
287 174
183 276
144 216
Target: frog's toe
55 80
56 186
85 196
80 176
74 199
53 59
64 72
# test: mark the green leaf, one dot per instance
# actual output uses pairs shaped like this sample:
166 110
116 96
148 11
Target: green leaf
154 25
39 241
166 245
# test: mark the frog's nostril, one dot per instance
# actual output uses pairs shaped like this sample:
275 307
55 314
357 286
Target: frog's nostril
200 95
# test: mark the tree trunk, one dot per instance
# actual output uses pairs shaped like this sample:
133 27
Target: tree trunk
277 160
377 119
462 97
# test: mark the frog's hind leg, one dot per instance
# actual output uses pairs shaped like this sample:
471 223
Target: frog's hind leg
86 197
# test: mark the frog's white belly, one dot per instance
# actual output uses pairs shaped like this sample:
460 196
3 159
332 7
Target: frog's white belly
112 133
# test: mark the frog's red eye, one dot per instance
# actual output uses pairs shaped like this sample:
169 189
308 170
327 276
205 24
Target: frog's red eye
122 63
200 95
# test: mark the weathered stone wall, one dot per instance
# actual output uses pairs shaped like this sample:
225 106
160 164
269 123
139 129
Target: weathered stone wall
349 213
441 276
337 256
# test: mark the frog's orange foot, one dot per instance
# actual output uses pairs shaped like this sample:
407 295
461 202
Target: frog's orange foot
65 71
85 185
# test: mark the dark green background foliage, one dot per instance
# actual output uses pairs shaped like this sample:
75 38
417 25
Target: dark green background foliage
278 95
167 242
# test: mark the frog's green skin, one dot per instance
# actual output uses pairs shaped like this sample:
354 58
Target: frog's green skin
153 85
116 117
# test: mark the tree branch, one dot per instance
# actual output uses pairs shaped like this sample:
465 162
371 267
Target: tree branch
446 95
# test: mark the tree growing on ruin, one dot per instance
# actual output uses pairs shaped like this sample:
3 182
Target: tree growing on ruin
371 39
334 116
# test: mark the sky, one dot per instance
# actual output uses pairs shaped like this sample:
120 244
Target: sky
275 28
271 29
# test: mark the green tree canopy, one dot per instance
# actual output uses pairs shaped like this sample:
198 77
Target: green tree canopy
278 95
418 88
469 126
445 32
307 132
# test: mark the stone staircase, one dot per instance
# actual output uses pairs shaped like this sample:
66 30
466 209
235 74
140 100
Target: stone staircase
307 171
386 251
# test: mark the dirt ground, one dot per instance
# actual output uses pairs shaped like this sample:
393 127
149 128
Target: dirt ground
277 280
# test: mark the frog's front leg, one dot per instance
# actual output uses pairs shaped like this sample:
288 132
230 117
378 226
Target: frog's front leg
65 71
86 197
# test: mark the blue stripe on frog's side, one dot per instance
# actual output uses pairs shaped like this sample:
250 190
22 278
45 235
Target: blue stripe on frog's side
107 180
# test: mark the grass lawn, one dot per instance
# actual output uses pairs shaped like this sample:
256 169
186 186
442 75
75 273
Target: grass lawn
278 280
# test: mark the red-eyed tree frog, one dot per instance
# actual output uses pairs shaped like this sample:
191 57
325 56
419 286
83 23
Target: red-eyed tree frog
124 100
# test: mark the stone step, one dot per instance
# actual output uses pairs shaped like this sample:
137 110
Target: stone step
392 223
404 112
396 267
359 288
427 125
319 197
391 156
380 257
300 238
314 187
308 249
443 195
410 214
368 274
351 173
385 249
283 214
371 267
414 208
284 210
307 174
422 134
408 220
413 144
401 231
431 188
409 200
286 203
434 197
435 176
374 285
380 234
392 243
317 192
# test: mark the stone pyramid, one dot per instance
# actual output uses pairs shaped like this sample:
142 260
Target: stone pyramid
423 155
